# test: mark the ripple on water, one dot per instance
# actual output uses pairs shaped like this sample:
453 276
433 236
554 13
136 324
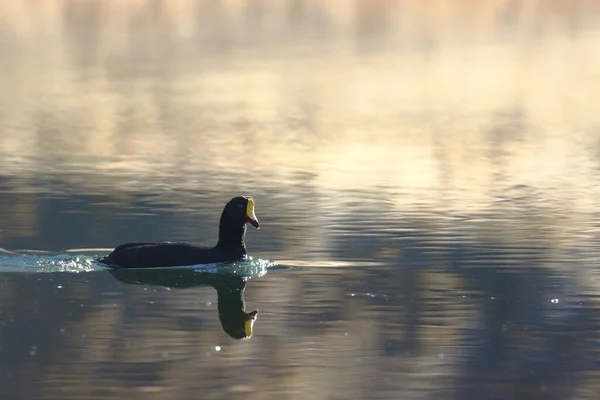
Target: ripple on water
28 262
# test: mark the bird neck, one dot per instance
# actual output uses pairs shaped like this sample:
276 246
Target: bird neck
231 237
230 296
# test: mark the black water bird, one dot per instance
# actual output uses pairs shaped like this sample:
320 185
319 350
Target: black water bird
230 247
235 321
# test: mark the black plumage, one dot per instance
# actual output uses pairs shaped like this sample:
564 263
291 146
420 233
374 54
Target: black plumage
230 247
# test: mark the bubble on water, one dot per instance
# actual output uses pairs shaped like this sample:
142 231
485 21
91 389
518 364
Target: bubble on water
59 286
217 348
554 301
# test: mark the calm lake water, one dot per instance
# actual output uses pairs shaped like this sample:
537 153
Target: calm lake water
427 183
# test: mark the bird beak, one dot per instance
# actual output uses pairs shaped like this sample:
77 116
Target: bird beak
250 216
249 323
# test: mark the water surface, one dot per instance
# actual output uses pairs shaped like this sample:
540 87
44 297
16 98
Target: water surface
426 181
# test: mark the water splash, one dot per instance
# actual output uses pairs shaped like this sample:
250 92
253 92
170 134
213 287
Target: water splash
72 262
46 262
250 267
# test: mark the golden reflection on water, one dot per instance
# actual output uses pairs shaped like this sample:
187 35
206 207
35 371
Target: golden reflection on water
461 116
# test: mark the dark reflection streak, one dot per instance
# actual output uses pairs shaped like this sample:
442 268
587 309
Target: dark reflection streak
82 23
414 312
33 329
444 167
213 27
525 338
230 291
508 126
522 339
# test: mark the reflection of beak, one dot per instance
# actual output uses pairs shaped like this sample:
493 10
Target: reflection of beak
249 323
250 216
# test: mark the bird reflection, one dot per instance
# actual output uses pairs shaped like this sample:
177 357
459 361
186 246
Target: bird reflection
236 322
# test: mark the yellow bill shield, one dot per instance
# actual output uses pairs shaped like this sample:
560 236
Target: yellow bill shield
250 213
249 323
